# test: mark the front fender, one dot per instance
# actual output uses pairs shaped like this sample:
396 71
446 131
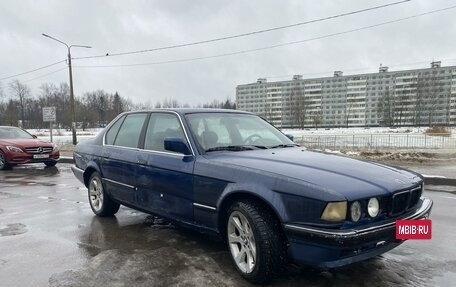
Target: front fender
272 198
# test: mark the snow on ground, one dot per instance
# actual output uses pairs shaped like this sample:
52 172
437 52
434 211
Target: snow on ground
63 132
358 130
62 136
372 138
334 138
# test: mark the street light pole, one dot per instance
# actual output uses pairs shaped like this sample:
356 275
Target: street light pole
73 115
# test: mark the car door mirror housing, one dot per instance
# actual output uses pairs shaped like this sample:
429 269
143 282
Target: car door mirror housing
291 137
177 145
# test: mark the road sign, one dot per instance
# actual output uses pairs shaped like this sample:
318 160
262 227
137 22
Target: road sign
49 114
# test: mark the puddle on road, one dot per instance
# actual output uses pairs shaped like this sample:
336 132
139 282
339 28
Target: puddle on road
13 229
38 183
165 266
6 195
141 232
2 262
26 175
149 251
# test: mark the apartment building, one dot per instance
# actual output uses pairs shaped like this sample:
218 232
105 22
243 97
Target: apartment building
387 98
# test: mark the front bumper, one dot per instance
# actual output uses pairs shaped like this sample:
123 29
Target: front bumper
332 248
25 158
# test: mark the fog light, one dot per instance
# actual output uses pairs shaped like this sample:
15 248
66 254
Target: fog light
373 207
355 211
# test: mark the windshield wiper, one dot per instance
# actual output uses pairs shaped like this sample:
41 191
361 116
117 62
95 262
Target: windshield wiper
283 145
235 148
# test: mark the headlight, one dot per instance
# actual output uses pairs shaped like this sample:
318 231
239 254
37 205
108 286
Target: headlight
55 147
373 207
355 211
13 149
335 211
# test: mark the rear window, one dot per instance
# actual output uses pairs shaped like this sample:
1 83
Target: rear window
130 131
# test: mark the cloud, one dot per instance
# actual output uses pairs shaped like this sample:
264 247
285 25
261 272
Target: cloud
118 26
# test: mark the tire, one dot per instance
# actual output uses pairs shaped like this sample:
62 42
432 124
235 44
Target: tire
256 242
3 163
50 163
101 204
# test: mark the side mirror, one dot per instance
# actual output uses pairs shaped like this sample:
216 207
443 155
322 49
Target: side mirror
34 136
291 137
177 145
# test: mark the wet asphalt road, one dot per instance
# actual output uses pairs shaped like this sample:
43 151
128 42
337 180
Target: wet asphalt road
49 237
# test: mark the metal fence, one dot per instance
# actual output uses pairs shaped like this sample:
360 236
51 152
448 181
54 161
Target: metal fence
378 141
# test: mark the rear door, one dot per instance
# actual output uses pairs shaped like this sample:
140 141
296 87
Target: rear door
164 178
120 152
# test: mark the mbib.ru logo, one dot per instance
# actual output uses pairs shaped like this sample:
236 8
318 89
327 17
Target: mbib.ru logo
413 229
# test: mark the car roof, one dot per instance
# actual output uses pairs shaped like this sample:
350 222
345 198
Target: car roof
185 111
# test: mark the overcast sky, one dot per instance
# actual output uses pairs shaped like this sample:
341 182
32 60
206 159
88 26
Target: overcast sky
120 26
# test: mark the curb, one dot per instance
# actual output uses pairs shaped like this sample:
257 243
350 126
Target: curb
439 180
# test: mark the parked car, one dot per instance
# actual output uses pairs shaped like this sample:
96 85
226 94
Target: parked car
17 146
233 174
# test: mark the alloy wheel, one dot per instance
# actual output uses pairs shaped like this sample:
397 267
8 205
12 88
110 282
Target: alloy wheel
241 241
96 193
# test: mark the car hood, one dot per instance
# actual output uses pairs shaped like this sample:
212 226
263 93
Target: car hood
352 178
25 143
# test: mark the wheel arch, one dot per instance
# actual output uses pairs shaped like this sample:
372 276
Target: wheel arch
89 170
238 195
3 150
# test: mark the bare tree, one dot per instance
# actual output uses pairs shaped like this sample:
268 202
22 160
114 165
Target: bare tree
448 109
267 111
432 98
2 95
316 119
127 104
299 105
2 105
385 108
170 103
348 109
21 92
419 105
399 112
11 112
299 110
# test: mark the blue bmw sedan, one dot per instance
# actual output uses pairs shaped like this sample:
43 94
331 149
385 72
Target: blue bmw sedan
233 174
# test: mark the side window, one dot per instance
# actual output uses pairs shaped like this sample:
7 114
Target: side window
162 125
130 130
112 133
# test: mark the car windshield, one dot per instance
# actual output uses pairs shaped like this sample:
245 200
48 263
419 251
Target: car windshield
14 133
235 132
